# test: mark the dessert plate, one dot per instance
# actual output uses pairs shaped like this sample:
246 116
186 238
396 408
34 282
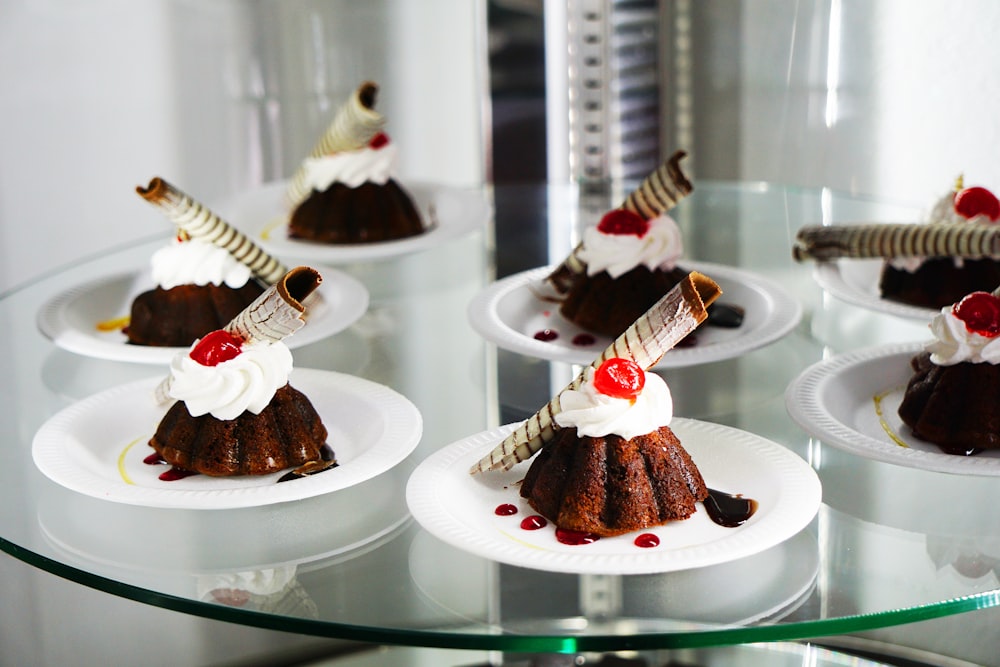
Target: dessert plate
71 319
855 281
459 508
512 311
850 401
96 446
452 212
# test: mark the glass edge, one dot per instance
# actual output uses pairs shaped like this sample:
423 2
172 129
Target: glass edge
432 638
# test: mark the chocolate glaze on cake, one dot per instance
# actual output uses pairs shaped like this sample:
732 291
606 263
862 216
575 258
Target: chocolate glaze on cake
954 407
609 485
288 432
608 306
178 316
938 282
365 214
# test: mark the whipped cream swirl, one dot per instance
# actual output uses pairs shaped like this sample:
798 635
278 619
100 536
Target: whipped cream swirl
659 248
352 168
197 262
247 382
954 344
596 415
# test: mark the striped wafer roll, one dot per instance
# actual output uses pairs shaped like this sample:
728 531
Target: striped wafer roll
354 125
670 319
897 240
659 192
274 315
199 222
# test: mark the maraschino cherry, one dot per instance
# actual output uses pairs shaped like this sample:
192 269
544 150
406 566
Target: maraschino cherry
379 140
216 347
619 378
981 313
974 201
621 221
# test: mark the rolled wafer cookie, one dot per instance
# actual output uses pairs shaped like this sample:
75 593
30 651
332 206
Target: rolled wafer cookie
651 336
353 126
276 314
198 221
938 239
659 192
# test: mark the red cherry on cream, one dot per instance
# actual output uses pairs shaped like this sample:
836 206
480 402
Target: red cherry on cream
379 140
622 221
974 201
981 313
216 347
619 378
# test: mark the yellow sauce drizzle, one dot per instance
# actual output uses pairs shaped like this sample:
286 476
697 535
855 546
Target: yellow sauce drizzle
877 399
279 221
121 462
116 324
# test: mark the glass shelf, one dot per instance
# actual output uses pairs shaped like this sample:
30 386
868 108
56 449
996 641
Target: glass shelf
352 564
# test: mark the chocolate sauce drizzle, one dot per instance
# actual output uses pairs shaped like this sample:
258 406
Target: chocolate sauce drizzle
727 509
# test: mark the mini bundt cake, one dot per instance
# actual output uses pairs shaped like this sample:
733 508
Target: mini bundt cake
936 282
609 485
952 398
178 316
287 432
235 412
344 191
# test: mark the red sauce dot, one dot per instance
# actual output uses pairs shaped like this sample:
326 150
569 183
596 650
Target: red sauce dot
583 340
647 541
505 510
575 537
154 459
546 335
533 522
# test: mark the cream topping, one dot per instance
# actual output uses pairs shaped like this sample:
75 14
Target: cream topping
247 382
595 414
659 248
197 262
352 168
954 344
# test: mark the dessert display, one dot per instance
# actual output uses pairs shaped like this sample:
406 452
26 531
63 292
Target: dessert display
205 277
630 259
950 398
929 265
344 192
234 412
607 461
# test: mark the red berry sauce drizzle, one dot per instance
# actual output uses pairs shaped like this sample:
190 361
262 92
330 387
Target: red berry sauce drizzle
725 509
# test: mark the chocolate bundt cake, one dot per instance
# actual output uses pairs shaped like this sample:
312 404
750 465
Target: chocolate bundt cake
178 316
938 281
609 485
608 306
367 213
288 432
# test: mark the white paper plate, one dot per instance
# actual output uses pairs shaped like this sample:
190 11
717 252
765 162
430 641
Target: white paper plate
512 310
97 446
834 401
458 508
451 212
70 318
855 281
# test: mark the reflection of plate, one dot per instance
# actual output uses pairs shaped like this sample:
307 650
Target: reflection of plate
459 508
512 310
70 319
855 281
783 577
835 400
452 212
96 447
